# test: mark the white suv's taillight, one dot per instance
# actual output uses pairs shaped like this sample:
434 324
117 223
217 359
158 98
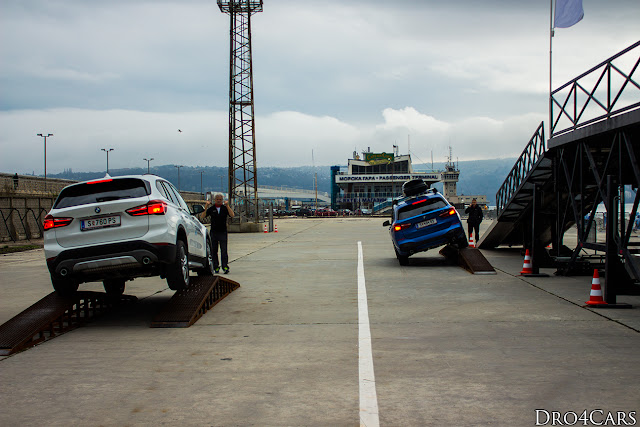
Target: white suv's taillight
51 222
154 207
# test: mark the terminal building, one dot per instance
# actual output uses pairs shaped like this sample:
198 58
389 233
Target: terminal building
370 182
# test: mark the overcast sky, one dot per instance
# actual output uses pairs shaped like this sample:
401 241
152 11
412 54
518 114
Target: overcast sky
330 77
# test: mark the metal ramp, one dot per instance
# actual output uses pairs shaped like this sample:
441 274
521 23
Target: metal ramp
186 306
471 259
54 315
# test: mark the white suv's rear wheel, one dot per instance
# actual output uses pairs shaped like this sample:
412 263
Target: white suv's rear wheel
209 269
114 287
64 286
178 272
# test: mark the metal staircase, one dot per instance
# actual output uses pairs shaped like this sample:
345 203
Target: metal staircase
592 157
532 170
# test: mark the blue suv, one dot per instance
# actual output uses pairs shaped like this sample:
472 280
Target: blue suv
424 220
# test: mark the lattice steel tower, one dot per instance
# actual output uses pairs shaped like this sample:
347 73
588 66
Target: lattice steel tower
243 185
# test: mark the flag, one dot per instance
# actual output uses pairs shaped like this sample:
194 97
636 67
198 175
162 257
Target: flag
568 13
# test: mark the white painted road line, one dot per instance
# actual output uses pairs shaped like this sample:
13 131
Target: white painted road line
368 395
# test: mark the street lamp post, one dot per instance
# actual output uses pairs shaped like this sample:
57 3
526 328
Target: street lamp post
178 175
201 192
148 162
45 157
107 151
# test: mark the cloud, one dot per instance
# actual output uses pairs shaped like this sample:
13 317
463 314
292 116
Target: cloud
80 134
329 76
410 119
471 138
74 75
286 138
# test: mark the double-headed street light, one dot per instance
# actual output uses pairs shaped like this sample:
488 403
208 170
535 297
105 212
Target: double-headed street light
107 151
148 161
45 157
180 166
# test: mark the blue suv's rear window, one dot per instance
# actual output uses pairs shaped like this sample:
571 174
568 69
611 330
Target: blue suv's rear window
421 207
116 189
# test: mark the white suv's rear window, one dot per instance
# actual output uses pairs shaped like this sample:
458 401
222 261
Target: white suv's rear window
102 191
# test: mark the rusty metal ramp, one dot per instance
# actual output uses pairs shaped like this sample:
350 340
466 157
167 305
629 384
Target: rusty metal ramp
52 316
470 259
186 306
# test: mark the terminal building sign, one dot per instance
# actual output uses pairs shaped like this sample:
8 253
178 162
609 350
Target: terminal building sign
378 158
387 177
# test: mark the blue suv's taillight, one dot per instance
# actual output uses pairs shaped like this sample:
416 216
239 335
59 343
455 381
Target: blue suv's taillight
448 213
400 227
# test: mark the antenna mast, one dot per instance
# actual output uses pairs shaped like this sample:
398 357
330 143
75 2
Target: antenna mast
243 185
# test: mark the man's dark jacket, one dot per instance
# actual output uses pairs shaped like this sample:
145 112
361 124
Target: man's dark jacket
218 220
475 214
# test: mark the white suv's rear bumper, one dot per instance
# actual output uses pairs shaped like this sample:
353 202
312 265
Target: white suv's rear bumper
123 259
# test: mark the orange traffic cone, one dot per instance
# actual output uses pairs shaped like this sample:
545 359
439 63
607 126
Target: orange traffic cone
265 228
595 298
527 268
275 229
471 242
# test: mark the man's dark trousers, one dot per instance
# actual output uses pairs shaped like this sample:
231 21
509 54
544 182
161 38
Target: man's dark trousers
219 238
472 227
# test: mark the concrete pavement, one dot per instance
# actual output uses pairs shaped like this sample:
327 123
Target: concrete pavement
449 348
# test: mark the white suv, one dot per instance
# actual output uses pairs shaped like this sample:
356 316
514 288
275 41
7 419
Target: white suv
117 228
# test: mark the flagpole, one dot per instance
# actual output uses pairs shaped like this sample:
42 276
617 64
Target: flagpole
550 124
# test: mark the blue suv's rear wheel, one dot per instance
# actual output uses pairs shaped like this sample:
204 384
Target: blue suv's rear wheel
402 259
461 241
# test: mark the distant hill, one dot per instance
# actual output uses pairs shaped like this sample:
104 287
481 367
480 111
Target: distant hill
476 177
215 178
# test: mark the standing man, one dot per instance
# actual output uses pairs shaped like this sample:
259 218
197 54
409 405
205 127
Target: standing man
219 213
474 219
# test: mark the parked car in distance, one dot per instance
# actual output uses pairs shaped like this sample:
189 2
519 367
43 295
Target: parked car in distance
326 212
118 228
304 212
422 221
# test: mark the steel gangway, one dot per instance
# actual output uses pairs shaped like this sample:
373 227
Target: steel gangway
591 159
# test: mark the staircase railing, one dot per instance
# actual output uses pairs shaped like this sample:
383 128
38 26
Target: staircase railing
532 152
382 205
611 92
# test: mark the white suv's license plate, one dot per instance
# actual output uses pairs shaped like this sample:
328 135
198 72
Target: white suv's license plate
103 222
426 223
